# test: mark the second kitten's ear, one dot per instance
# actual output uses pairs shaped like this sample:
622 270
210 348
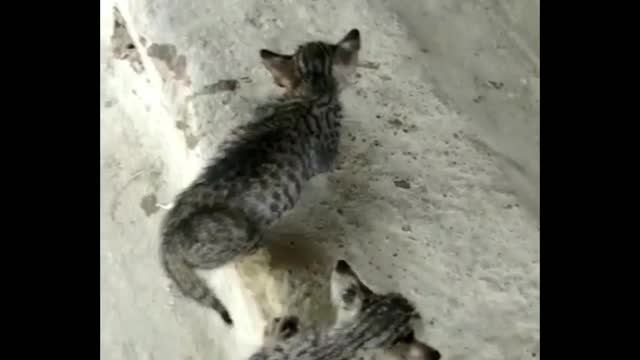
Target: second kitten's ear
347 290
281 68
347 48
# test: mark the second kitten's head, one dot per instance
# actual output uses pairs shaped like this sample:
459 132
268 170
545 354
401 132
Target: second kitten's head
316 67
384 321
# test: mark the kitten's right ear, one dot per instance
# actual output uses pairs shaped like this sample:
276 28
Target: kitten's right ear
348 48
281 68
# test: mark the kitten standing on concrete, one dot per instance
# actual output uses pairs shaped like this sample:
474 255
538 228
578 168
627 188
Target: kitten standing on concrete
365 322
258 175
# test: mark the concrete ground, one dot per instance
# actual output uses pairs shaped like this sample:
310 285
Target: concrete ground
437 194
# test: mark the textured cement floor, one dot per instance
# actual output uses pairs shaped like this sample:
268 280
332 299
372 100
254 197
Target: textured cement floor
437 195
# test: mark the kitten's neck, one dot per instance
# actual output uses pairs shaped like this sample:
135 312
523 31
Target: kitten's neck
324 98
315 89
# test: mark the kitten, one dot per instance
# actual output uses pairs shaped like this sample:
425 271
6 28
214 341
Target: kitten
259 173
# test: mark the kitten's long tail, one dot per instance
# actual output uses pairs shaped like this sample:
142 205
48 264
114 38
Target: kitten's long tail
207 238
188 282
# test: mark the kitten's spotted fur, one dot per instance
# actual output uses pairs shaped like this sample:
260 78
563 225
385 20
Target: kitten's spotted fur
366 322
259 172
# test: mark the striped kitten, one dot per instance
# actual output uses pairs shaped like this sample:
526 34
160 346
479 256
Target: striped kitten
259 173
366 322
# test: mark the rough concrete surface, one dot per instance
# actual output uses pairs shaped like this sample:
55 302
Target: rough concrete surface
436 195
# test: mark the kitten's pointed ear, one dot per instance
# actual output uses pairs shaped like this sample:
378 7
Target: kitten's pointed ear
348 47
281 68
346 277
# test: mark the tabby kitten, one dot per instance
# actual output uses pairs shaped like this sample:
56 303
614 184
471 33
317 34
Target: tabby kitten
259 173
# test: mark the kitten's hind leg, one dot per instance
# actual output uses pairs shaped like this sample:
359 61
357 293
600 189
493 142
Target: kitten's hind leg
206 240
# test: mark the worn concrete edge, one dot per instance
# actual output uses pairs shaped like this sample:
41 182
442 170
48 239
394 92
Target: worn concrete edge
232 278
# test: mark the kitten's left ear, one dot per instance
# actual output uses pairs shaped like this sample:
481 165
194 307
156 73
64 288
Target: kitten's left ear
347 48
281 68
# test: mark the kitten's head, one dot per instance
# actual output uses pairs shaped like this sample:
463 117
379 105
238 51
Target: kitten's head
316 67
387 320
